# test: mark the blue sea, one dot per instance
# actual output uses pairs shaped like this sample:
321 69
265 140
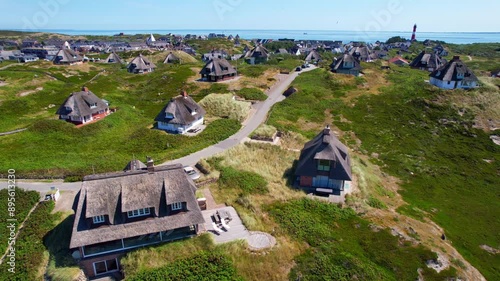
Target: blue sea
344 36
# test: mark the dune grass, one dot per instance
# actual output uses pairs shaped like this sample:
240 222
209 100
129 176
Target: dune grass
224 105
421 138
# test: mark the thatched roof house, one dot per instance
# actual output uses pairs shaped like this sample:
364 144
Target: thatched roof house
113 58
427 61
313 56
397 60
324 164
257 55
346 64
171 58
361 53
217 69
125 210
180 115
82 107
141 65
67 56
454 75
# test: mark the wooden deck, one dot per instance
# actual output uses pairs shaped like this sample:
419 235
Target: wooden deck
237 230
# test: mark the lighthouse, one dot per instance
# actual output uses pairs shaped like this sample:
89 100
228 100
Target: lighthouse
413 36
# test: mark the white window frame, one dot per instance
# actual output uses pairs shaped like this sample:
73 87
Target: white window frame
98 219
139 213
176 206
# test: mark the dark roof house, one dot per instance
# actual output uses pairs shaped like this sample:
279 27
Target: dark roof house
324 164
454 75
180 115
346 64
141 65
83 107
217 69
67 56
427 61
117 212
361 53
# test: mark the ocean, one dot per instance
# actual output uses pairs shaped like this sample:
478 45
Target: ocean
344 36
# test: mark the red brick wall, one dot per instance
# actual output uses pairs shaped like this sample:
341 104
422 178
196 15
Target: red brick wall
88 264
306 181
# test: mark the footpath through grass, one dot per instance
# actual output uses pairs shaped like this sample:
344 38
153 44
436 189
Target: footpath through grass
449 170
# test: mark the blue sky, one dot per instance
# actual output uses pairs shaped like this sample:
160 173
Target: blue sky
364 15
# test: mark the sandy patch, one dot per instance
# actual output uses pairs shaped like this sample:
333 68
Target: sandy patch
23 94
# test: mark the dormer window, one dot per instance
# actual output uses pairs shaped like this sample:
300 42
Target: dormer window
138 213
176 206
68 108
323 165
460 75
169 115
194 112
94 105
98 219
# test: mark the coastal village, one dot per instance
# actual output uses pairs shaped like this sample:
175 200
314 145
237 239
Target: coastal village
185 115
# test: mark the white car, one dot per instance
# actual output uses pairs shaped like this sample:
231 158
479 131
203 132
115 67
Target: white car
191 172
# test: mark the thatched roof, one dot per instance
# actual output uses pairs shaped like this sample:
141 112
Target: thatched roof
257 52
361 53
140 63
325 146
171 58
67 56
313 56
217 67
427 61
182 110
453 70
113 58
338 63
115 193
83 103
135 165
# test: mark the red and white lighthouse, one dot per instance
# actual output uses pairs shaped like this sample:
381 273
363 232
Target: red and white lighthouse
414 36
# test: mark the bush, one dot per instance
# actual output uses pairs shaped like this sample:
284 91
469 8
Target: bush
252 94
203 266
264 132
225 106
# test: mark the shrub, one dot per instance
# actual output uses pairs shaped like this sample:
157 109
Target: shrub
264 132
225 106
252 94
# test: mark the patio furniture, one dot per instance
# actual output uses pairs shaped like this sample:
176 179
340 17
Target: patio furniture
224 225
216 228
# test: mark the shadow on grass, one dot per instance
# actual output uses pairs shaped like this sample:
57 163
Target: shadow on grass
57 243
289 175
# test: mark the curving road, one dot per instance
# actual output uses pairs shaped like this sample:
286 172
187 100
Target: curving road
261 109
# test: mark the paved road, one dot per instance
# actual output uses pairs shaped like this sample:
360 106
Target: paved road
275 95
260 113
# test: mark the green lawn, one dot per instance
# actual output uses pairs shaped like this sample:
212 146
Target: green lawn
441 164
54 148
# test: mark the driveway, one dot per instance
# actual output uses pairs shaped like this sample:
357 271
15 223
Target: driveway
275 94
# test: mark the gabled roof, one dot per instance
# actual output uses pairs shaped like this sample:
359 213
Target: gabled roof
171 58
182 110
360 52
135 165
141 63
427 60
218 67
115 193
325 146
113 58
79 104
257 52
67 56
338 63
452 70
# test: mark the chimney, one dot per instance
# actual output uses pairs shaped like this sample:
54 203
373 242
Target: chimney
326 131
85 89
150 165
184 94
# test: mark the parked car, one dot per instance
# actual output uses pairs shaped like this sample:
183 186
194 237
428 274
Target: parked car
192 173
298 68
